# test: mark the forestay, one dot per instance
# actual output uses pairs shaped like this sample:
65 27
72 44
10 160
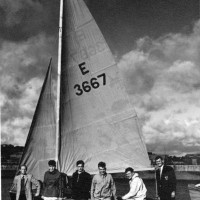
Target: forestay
97 121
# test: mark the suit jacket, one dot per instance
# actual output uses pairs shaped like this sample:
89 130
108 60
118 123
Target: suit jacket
166 184
28 180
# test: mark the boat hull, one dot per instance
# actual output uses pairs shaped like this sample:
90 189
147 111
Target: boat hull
194 192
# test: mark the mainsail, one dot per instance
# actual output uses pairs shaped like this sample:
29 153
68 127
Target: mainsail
40 143
97 120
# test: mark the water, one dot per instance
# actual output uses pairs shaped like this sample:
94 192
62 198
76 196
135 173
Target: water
5 186
122 188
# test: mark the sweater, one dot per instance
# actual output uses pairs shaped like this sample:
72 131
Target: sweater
52 184
81 185
137 189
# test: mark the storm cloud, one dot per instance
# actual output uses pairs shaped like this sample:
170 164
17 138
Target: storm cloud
22 19
157 49
162 77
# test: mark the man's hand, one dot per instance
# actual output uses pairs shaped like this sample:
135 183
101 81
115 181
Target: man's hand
36 194
173 194
197 185
157 197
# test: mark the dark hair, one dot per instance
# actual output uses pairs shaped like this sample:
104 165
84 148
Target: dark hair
158 157
23 166
102 164
129 169
80 162
52 163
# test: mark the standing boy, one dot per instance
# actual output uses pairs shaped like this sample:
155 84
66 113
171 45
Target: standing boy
81 182
52 182
103 185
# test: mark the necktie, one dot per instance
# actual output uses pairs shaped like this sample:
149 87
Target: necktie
22 184
22 179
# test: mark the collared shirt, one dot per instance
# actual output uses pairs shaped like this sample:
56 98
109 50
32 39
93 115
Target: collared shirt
103 186
161 169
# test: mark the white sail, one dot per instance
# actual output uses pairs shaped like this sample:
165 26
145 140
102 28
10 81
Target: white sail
97 121
40 143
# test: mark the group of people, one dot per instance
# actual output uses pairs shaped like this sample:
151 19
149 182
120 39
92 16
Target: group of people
100 187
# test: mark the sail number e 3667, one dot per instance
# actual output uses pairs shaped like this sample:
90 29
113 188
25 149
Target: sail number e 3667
87 86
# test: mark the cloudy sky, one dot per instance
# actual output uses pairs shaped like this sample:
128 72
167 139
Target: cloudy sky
156 45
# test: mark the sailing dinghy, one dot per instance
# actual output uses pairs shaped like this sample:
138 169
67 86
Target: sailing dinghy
95 119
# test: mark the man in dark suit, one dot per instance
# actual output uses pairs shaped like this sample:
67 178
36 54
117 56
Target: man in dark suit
166 180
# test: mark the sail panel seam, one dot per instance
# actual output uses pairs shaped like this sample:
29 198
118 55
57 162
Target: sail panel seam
79 27
90 124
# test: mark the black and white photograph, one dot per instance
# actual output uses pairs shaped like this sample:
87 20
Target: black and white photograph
100 99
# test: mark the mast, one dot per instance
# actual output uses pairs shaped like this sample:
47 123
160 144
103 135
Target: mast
58 82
